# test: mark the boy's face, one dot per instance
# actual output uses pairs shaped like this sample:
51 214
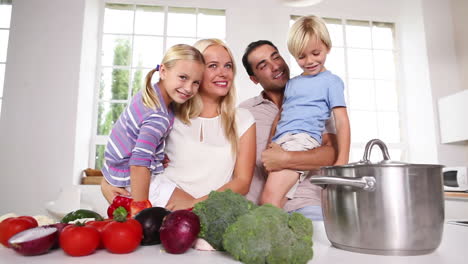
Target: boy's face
312 58
269 68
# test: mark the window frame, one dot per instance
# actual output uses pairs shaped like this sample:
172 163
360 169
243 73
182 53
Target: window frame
101 140
4 63
356 147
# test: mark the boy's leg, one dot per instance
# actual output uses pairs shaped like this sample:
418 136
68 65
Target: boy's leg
277 186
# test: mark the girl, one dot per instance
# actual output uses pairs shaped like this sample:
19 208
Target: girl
135 150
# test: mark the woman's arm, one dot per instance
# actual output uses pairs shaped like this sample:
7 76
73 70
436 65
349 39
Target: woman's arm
343 133
275 158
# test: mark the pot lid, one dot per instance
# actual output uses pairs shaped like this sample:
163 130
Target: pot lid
386 162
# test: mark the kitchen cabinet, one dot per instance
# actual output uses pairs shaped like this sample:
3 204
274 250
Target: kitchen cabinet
452 250
453 128
456 206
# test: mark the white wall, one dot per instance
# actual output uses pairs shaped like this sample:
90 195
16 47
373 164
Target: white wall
49 82
37 124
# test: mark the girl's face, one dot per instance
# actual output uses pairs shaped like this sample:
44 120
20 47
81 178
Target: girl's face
313 57
182 81
218 76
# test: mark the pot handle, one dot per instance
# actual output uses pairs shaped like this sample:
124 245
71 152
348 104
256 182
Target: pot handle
367 183
368 149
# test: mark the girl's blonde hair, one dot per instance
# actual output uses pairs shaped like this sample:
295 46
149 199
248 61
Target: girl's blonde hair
227 103
173 54
305 28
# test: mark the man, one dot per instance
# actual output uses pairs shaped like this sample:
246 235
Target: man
266 67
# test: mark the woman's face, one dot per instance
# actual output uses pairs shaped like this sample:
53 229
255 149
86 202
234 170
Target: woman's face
219 74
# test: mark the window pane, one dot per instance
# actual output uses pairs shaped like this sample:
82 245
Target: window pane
386 95
361 94
118 18
5 16
148 51
382 35
335 28
211 23
363 126
2 78
360 63
108 113
116 50
174 41
358 34
114 84
335 62
395 154
3 45
181 22
138 81
384 64
99 156
389 127
149 20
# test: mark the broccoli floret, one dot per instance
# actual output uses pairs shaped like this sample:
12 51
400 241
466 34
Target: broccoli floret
269 235
219 211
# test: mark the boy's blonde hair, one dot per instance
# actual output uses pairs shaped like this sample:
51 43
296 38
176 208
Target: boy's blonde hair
227 105
173 54
303 30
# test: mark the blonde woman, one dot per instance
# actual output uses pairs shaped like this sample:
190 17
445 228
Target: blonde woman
212 144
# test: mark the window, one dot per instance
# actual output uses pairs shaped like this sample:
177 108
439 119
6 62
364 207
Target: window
5 17
364 56
134 38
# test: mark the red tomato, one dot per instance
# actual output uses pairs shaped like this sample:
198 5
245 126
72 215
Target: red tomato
79 240
13 225
122 237
99 225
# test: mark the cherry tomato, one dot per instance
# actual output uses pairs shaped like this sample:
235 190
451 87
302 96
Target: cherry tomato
79 240
122 237
13 225
99 225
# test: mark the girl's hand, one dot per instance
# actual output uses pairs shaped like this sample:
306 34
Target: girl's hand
165 161
110 191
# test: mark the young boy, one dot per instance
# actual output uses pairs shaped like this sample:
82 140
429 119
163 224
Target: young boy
309 100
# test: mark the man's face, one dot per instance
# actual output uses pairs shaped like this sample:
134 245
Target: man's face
269 68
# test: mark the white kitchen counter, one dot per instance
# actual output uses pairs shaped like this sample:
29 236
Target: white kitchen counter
452 250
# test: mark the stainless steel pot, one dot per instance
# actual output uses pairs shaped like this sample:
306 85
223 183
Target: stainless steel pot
384 208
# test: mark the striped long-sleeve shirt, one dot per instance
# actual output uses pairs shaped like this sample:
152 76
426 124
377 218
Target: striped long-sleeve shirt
137 139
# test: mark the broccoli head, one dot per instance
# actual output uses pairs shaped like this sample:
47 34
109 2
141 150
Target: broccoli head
269 235
219 211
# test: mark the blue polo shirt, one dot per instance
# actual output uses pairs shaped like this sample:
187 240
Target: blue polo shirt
307 105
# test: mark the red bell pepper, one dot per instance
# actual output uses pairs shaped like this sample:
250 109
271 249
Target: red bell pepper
137 206
118 201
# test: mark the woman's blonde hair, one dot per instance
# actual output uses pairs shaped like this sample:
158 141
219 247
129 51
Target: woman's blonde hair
173 54
305 28
227 103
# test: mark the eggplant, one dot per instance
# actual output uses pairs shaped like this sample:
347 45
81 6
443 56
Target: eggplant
151 220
